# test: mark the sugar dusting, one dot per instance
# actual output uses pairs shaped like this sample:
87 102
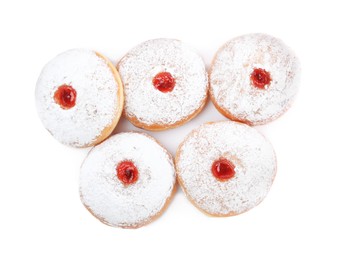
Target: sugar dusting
127 206
230 78
144 101
252 155
94 81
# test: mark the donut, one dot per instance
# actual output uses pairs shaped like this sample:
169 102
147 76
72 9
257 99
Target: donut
128 180
225 168
165 84
79 97
254 79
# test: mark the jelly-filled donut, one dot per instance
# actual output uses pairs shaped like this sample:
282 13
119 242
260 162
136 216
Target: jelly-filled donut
225 168
254 78
79 97
128 180
165 84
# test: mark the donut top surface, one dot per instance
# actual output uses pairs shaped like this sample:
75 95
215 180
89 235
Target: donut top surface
135 197
254 78
225 167
164 81
77 97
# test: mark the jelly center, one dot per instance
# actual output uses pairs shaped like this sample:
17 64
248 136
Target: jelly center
164 82
223 169
65 96
127 172
260 78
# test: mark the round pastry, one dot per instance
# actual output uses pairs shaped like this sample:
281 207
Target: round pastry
128 180
79 97
254 78
165 84
225 168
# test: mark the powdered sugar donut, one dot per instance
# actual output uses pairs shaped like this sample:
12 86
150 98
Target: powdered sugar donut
165 84
79 97
225 168
254 78
128 180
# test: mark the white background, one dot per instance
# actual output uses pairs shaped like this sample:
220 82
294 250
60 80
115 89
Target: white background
41 214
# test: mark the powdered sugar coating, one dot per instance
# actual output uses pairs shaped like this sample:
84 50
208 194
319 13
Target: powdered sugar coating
97 102
136 204
230 84
151 106
252 155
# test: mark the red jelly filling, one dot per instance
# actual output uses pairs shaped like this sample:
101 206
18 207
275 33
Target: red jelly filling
164 82
127 172
223 169
260 78
65 96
